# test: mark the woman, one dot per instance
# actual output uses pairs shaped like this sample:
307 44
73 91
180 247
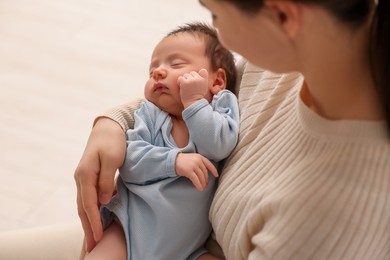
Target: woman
309 178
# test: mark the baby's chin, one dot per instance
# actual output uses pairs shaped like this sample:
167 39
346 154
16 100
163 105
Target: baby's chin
173 108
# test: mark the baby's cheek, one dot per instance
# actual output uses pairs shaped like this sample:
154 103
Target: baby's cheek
148 89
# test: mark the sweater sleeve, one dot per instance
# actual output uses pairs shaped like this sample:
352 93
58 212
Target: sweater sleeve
147 158
122 114
214 127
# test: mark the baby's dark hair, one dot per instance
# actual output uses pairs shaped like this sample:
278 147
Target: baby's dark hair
219 56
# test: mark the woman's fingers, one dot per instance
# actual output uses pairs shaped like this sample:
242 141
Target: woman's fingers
106 182
87 205
89 240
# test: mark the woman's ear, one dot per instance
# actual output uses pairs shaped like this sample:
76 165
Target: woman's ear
219 82
288 15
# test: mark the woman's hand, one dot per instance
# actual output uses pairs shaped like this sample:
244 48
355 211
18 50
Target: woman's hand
95 174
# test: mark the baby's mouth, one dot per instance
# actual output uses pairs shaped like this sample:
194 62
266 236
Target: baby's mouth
159 86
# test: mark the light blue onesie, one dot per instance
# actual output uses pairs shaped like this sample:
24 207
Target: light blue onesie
163 215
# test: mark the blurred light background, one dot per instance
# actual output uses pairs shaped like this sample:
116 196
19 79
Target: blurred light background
61 64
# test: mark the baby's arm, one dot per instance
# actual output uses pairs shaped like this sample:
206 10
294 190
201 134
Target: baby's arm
214 127
196 168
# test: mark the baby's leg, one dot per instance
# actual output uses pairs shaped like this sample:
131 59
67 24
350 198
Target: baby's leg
112 246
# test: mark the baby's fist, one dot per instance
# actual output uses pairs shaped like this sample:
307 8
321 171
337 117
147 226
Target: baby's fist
193 86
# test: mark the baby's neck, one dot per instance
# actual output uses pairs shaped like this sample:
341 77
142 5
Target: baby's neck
179 132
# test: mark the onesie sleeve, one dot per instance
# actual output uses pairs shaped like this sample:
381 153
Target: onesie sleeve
214 127
146 162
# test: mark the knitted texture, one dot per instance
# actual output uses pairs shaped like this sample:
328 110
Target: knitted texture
298 186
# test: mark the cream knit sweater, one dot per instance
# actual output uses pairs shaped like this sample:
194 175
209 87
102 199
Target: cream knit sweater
298 186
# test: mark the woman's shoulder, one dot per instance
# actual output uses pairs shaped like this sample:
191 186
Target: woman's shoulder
254 75
258 85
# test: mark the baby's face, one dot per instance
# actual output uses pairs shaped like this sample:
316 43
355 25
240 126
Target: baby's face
174 56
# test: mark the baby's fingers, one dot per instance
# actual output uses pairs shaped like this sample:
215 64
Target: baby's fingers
210 167
203 176
180 80
204 73
195 180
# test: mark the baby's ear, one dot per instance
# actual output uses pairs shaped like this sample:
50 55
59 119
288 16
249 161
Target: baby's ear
219 82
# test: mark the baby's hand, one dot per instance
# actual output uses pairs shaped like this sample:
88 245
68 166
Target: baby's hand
193 86
196 168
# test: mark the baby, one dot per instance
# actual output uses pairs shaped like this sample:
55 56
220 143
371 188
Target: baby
187 125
